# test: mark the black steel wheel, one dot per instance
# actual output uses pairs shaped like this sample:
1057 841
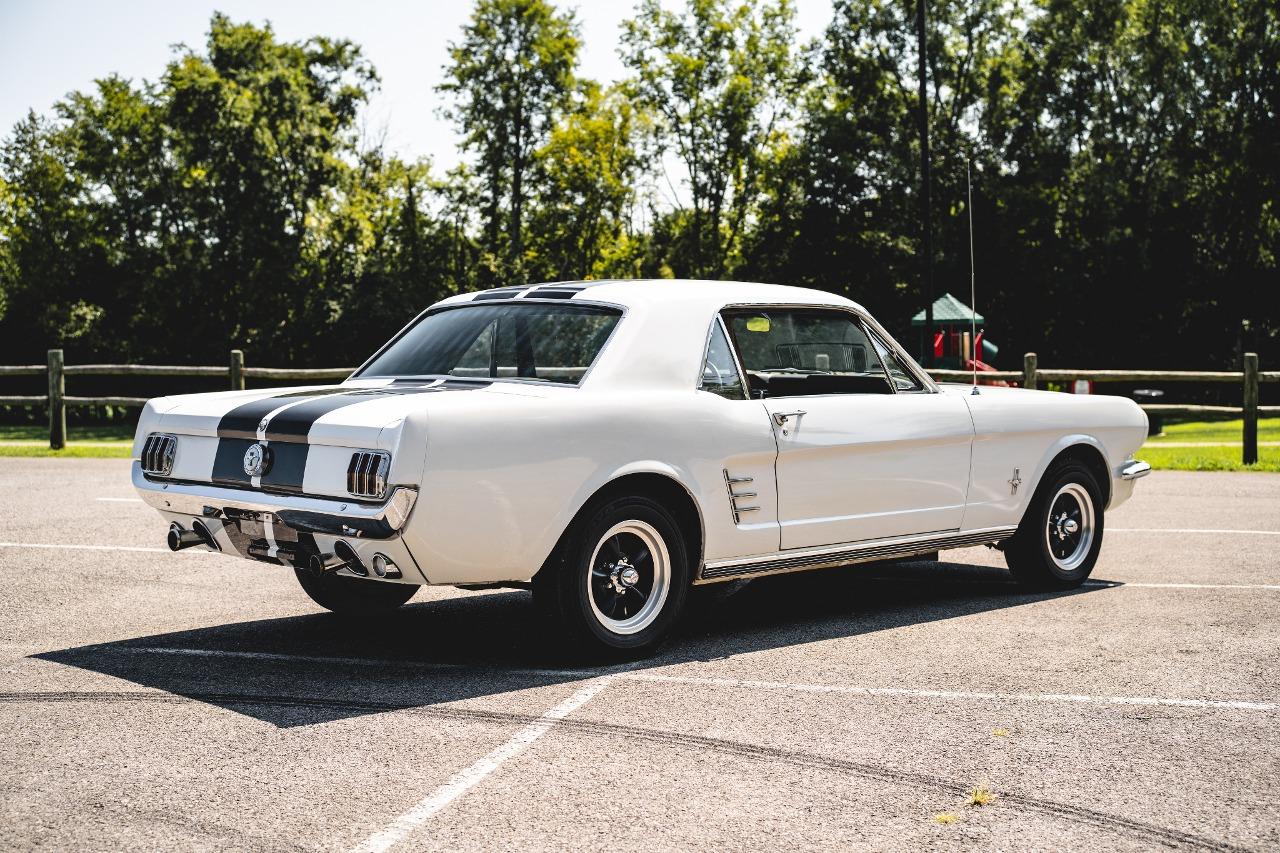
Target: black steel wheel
1058 541
619 583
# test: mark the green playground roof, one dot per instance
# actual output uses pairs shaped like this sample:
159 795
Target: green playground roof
947 310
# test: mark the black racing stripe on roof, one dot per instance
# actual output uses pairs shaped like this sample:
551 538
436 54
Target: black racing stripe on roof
500 293
553 294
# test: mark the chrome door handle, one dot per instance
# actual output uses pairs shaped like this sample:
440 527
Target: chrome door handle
781 418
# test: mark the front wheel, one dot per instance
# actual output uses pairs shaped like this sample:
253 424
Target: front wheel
619 584
1058 541
352 595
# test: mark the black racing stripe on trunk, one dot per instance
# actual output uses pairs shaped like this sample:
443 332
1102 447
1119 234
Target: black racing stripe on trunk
228 462
295 422
243 420
288 467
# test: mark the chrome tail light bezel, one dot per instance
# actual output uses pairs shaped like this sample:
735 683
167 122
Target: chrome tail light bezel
367 474
158 453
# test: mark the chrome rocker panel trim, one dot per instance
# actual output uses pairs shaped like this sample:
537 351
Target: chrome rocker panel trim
1134 470
843 555
309 515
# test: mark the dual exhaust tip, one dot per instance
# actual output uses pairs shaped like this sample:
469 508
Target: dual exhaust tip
343 556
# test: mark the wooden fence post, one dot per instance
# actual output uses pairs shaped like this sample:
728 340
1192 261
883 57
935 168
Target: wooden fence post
237 370
1250 408
1029 370
57 404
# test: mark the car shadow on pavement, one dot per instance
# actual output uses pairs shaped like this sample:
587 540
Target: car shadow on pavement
304 670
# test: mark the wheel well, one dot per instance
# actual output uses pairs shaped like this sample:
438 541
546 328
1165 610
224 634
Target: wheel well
1091 458
657 487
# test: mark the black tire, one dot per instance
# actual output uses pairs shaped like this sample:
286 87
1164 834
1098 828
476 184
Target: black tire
1047 553
353 595
582 581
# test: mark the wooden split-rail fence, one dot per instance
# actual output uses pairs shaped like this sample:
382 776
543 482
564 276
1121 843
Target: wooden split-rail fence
1031 376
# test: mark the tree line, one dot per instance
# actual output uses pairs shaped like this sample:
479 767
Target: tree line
1125 158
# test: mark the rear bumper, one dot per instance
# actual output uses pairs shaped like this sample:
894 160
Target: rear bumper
308 515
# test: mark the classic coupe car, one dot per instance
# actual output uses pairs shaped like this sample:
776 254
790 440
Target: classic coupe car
612 444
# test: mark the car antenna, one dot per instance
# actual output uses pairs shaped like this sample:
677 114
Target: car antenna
973 282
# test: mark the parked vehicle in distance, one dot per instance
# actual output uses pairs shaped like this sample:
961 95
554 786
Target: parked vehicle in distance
613 443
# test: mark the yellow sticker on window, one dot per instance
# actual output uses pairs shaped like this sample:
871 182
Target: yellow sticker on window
757 324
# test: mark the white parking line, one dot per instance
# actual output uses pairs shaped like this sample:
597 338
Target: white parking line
465 780
852 690
69 546
1119 584
1189 530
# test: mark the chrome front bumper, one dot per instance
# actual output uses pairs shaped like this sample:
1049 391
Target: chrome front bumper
330 516
1134 469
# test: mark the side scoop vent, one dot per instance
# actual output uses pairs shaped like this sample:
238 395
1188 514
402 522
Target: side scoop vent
157 454
367 474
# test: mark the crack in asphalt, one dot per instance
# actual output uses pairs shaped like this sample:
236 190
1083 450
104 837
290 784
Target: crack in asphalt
1079 814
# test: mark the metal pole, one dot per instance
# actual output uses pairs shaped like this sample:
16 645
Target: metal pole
925 210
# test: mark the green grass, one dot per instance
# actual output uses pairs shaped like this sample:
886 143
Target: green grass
40 432
1221 458
1227 432
117 450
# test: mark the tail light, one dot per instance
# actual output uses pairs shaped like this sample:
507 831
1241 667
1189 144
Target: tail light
157 454
367 473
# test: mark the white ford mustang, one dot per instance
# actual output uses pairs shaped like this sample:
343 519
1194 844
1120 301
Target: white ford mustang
613 444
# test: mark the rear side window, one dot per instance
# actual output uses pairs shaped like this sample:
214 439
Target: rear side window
798 352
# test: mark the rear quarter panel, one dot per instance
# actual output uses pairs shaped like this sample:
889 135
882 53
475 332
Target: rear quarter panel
506 471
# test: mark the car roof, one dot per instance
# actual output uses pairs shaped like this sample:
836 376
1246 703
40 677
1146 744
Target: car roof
630 293
661 343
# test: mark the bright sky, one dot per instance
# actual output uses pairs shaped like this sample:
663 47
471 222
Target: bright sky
51 47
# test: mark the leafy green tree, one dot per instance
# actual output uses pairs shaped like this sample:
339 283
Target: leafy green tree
719 78
511 77
587 172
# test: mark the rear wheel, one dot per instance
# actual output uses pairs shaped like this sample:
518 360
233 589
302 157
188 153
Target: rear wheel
1058 541
352 595
620 582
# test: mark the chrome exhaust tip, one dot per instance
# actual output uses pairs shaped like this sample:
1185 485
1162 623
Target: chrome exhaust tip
206 535
180 539
343 557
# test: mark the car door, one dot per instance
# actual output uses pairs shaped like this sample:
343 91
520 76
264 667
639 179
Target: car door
864 451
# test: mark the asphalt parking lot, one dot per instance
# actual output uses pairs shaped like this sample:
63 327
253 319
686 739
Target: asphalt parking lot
192 701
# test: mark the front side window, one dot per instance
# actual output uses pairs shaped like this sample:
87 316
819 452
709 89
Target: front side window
797 352
903 379
548 343
719 372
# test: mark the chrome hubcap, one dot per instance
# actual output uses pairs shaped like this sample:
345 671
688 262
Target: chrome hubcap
630 577
1070 530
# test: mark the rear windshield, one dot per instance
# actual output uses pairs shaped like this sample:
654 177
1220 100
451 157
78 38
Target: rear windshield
550 343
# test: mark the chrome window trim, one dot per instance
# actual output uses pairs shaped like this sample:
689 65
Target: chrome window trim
733 353
622 310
